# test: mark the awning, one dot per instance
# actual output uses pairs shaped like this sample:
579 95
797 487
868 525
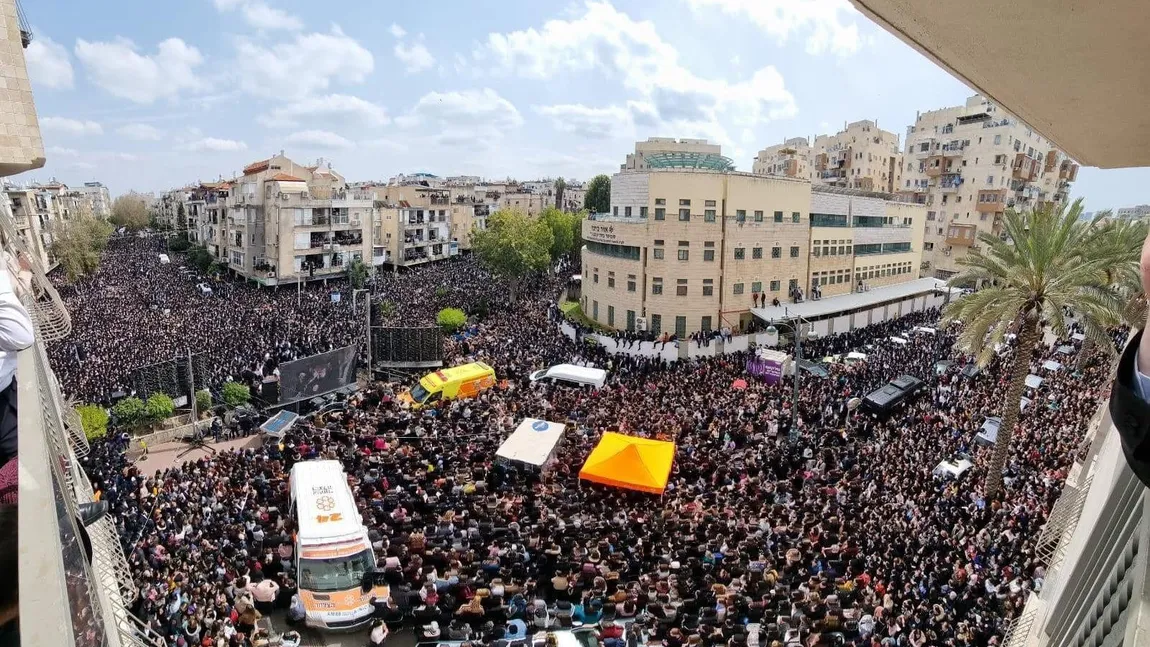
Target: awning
532 443
632 463
1033 381
1051 365
853 301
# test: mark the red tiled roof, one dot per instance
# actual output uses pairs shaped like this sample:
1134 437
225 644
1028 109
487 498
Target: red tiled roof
256 167
284 177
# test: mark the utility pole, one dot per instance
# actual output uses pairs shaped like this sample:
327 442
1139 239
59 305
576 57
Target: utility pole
192 390
370 375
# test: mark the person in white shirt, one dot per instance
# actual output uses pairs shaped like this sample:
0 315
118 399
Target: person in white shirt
16 334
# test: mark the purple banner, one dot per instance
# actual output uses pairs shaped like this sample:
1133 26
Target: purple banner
769 370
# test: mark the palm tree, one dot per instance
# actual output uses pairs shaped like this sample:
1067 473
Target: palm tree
1120 242
1031 275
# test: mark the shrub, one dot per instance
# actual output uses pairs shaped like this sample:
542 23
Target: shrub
235 394
129 412
203 400
94 420
179 243
385 309
451 319
357 273
159 407
442 291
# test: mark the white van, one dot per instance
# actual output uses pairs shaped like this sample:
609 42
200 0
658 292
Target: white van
954 467
571 374
204 288
854 357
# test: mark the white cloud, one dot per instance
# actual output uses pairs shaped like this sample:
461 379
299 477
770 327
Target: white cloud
333 107
610 43
305 64
588 122
415 57
141 132
384 143
71 126
397 31
467 108
79 166
62 151
829 25
120 70
216 145
48 63
260 15
321 139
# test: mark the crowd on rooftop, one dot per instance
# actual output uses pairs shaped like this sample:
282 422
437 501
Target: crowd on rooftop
845 537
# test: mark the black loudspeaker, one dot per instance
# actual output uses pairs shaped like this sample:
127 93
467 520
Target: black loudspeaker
270 392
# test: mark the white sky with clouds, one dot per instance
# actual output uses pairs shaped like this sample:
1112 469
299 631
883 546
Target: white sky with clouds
146 96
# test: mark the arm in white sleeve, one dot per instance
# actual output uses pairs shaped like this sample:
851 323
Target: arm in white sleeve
16 332
1141 382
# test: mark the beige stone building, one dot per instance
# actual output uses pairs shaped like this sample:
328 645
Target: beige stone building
419 223
861 156
21 148
668 152
685 249
968 164
35 213
287 223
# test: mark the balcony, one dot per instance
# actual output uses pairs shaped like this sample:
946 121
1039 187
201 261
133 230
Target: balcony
992 201
1024 167
961 235
950 182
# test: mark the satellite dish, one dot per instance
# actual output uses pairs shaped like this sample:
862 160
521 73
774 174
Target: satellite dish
854 403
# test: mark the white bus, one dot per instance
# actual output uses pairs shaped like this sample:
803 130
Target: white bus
333 552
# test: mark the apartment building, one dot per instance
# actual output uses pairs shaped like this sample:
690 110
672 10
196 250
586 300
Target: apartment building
36 216
207 214
1137 212
969 164
668 152
793 158
98 197
420 223
287 223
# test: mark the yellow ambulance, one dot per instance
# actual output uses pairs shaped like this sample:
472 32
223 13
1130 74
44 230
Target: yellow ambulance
464 381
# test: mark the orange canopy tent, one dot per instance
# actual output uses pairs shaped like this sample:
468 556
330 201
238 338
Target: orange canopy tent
629 462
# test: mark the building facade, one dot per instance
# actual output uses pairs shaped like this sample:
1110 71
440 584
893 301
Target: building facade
99 198
860 156
1137 212
968 164
288 223
668 152
793 158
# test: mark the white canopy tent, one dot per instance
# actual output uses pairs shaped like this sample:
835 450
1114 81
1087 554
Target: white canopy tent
901 341
1052 365
1033 381
532 443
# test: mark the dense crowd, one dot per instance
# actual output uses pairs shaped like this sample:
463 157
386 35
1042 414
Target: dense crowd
843 537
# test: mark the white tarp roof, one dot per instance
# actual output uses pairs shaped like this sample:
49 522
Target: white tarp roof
856 355
164 260
1051 365
852 301
898 340
925 329
1033 381
532 442
1078 336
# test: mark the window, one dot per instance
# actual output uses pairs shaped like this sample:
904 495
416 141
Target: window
708 255
657 285
756 287
656 324
595 310
737 288
684 254
684 203
660 201
709 243
658 253
796 216
595 277
774 286
627 211
794 251
708 203
778 216
842 250
757 253
708 287
776 252
630 320
706 325
616 251
630 282
684 215
660 213
758 216
642 212
709 215
615 210
610 279
792 284
681 326
681 287
990 180
741 215
740 253
611 316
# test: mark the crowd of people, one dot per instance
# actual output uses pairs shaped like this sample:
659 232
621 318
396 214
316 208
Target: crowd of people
843 537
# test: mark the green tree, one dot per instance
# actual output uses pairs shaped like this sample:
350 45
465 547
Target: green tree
1120 243
129 412
513 246
159 407
385 310
357 274
94 420
442 291
77 245
560 187
234 394
1030 276
181 217
203 400
130 211
201 258
179 243
451 319
562 231
598 198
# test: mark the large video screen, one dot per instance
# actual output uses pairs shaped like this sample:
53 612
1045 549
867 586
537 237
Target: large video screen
316 375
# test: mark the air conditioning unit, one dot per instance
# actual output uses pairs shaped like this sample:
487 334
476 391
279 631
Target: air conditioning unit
641 324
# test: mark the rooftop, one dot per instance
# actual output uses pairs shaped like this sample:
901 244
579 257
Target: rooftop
849 302
690 160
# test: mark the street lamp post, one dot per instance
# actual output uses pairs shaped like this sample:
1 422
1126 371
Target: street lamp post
796 327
